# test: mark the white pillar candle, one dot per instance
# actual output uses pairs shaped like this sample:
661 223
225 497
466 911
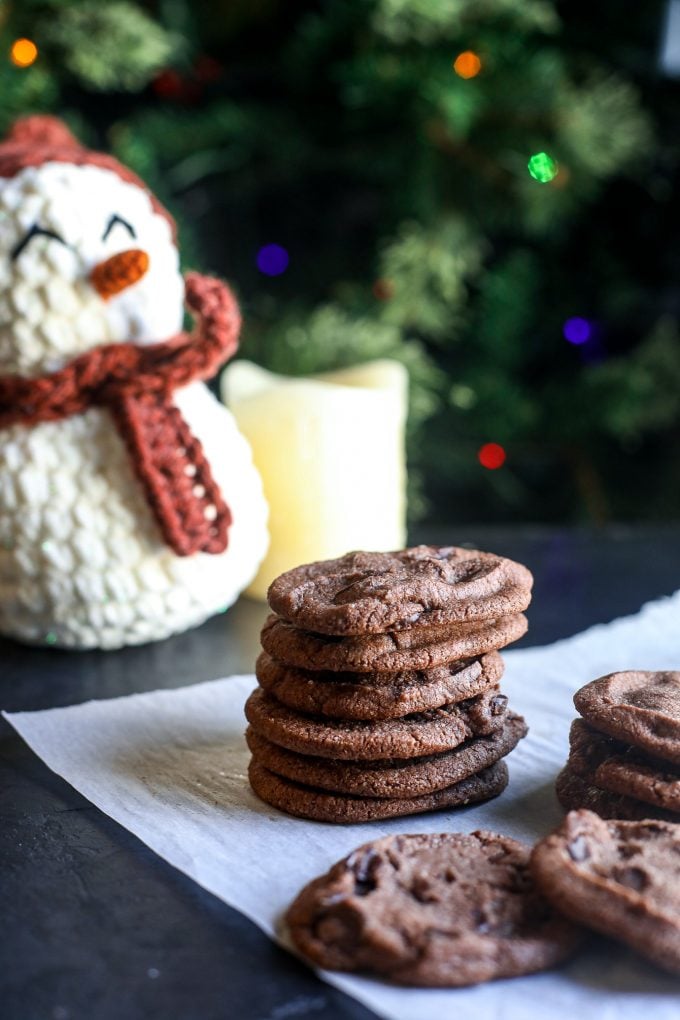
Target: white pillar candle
330 450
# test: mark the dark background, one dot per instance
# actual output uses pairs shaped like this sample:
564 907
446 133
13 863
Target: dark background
400 191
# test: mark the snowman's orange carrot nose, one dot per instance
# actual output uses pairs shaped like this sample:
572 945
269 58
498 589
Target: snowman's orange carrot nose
118 272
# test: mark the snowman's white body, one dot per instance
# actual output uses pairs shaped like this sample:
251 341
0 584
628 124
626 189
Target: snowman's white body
82 561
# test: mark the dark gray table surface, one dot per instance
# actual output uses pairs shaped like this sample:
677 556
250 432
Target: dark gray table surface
96 927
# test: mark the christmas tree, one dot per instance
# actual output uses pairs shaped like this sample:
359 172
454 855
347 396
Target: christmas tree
481 189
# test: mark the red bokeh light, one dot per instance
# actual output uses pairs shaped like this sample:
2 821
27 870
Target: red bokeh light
491 456
168 84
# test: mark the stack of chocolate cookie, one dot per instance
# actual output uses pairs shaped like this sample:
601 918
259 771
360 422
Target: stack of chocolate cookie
624 760
379 681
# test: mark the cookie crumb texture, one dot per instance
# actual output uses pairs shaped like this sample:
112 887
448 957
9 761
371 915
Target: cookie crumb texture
621 878
432 910
641 708
417 648
371 592
391 777
305 801
376 695
631 783
430 732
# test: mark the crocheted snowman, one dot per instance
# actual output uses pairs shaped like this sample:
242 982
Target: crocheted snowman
130 508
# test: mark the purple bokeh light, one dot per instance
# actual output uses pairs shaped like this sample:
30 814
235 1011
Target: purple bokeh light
272 260
577 330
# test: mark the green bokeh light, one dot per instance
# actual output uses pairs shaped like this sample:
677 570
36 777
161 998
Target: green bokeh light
542 167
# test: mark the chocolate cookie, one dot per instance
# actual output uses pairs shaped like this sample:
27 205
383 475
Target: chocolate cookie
440 729
650 782
620 878
431 910
641 708
575 791
377 695
372 592
308 802
392 777
588 748
416 649
622 769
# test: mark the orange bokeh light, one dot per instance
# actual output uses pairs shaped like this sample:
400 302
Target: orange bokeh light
467 64
23 53
491 456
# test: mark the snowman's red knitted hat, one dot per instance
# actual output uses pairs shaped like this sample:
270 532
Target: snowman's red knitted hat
40 139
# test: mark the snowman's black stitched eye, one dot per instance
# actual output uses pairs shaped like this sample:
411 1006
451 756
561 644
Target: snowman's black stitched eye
124 223
35 231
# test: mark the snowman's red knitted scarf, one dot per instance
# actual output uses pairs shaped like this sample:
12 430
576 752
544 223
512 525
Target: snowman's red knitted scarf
135 384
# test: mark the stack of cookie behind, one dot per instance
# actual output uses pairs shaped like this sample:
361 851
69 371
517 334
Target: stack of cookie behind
624 760
379 684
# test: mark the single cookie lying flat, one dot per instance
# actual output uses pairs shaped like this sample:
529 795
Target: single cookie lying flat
320 806
621 769
620 878
371 592
641 708
376 695
418 648
574 791
408 777
439 729
431 910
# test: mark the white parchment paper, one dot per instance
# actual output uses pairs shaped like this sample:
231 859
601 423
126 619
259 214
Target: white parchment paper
171 767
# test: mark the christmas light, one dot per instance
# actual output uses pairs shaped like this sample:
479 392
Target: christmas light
23 53
272 260
491 456
463 397
168 84
542 167
467 64
577 330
